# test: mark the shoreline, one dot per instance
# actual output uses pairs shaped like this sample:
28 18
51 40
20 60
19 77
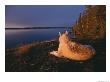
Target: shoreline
36 57
32 43
38 28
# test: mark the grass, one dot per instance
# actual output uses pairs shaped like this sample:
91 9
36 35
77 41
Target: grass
35 57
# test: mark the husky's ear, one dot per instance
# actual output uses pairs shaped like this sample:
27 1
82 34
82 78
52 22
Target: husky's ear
59 33
66 32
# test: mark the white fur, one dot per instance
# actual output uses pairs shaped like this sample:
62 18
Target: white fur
73 50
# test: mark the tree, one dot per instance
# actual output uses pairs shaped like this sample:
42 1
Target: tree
91 23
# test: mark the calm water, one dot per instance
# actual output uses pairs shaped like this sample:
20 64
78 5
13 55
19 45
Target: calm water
15 38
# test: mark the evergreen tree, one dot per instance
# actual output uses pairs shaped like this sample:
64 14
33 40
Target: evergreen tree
91 23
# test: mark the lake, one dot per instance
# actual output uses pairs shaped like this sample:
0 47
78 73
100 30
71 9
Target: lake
17 37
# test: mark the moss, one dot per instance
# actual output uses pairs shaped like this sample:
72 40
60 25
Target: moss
38 59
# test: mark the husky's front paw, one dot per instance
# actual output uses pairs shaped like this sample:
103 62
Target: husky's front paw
55 53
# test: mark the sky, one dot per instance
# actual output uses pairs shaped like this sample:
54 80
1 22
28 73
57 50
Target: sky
19 16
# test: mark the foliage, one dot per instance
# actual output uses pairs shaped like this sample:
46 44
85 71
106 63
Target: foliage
91 24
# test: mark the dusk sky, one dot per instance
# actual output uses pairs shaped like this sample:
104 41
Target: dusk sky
18 16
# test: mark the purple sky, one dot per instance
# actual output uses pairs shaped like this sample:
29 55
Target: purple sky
41 15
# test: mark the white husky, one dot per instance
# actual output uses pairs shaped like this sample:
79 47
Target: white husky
73 50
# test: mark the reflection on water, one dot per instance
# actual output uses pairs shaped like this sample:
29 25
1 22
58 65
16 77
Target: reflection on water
14 38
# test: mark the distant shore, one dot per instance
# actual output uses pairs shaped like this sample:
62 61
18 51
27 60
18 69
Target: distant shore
38 28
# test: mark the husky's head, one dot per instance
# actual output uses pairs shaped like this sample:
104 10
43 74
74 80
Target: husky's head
63 37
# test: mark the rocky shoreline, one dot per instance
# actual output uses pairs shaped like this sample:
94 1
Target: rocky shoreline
35 57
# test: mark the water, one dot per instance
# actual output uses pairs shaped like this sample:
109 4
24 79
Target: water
15 37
